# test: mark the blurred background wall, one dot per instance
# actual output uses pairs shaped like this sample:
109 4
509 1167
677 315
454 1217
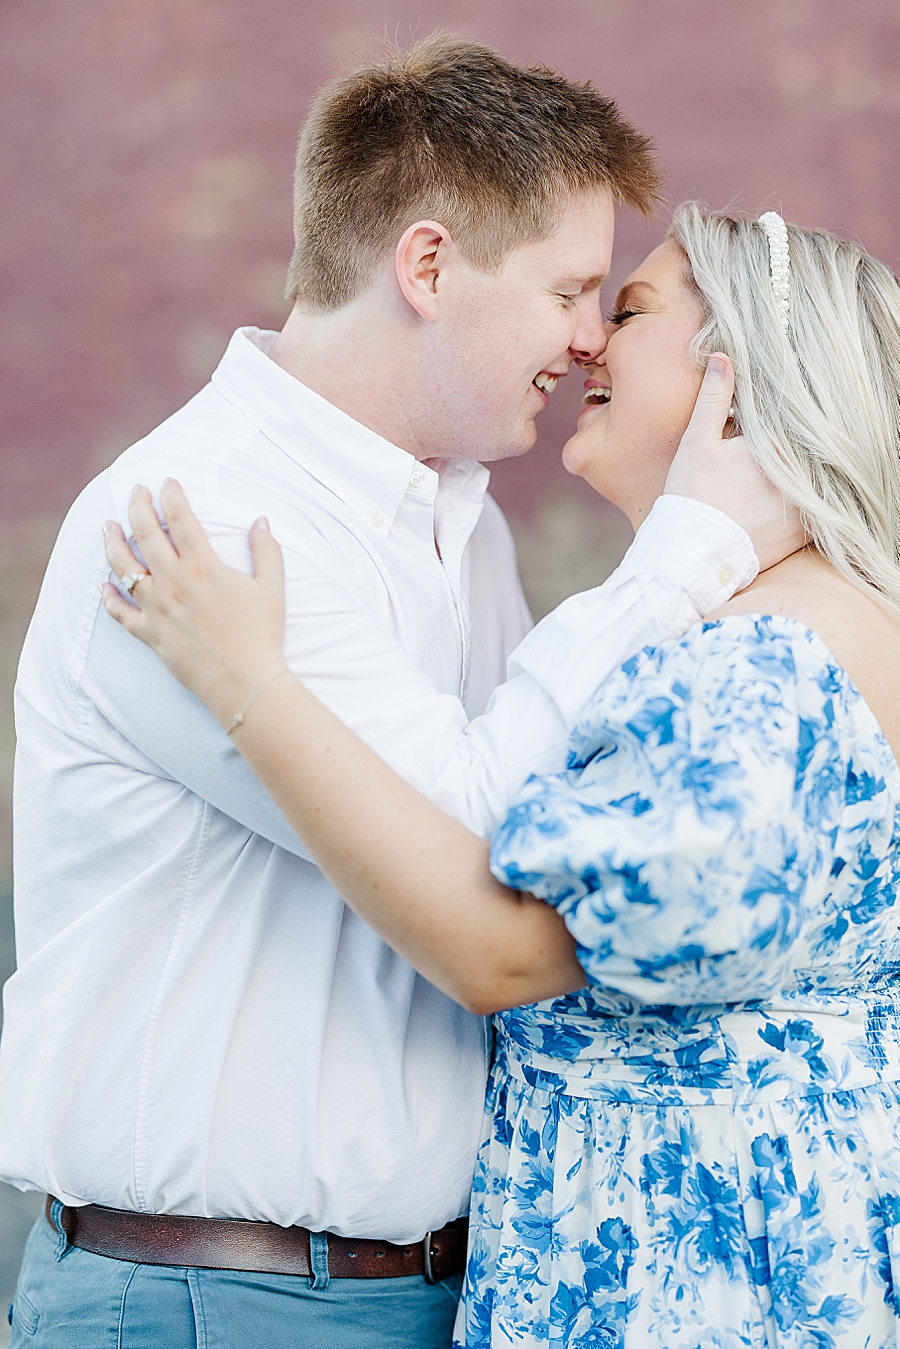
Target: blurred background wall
146 149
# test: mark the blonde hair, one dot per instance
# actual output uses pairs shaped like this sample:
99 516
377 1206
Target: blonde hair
450 131
818 400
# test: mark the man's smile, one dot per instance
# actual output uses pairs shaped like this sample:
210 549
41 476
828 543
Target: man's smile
545 381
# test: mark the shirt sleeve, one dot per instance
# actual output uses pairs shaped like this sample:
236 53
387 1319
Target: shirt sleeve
676 845
360 670
686 560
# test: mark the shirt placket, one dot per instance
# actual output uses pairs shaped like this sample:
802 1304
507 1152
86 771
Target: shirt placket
456 515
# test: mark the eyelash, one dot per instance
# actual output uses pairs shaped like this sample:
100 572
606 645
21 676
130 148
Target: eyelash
620 315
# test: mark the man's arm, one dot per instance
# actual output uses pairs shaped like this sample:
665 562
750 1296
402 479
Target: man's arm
361 672
687 559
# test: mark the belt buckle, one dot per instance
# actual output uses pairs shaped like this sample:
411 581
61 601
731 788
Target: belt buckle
427 1272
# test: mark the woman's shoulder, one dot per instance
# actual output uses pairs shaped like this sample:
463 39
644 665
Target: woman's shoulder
721 651
744 683
843 625
800 665
735 674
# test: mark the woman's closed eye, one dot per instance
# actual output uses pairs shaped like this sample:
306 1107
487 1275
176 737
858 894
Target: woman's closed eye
620 315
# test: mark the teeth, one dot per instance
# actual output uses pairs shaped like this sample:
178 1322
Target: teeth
547 383
597 396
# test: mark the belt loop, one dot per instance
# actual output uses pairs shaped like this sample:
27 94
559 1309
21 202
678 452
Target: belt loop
56 1212
318 1259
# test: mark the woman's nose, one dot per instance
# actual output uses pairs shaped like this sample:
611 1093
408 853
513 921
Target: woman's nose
592 363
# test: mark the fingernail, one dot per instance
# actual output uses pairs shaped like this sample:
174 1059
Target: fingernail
135 489
715 366
107 526
262 523
102 587
166 481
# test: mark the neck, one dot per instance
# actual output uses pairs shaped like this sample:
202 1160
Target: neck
805 562
353 357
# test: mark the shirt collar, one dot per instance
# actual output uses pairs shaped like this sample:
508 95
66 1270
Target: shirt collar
370 474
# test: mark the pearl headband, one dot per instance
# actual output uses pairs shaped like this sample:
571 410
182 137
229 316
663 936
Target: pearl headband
779 263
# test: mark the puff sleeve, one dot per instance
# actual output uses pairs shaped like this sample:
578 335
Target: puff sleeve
693 831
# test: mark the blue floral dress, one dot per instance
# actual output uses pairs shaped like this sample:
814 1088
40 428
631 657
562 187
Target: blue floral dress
702 1147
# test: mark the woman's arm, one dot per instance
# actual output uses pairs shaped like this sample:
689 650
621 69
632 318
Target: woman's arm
419 878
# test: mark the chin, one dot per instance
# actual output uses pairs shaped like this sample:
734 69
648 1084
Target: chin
527 437
512 447
577 457
578 461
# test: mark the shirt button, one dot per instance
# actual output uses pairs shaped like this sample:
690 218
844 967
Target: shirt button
417 477
378 519
725 576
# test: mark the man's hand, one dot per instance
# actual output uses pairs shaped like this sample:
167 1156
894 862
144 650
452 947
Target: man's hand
724 474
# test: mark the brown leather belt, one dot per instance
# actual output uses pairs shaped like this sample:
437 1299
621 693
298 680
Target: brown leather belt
261 1248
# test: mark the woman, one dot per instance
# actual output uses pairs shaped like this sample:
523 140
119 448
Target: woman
694 1139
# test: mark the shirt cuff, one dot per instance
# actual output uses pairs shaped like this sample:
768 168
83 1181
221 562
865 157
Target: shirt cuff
700 549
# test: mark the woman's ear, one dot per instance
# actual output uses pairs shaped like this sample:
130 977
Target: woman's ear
422 255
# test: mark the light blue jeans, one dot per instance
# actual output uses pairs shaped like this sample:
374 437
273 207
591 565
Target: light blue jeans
69 1299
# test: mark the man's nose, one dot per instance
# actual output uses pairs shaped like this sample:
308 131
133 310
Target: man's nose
589 338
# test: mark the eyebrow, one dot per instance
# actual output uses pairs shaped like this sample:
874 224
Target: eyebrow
584 281
628 288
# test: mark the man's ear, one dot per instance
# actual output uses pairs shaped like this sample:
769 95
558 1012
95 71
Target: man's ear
422 254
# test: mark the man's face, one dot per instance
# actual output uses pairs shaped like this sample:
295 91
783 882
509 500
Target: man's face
499 338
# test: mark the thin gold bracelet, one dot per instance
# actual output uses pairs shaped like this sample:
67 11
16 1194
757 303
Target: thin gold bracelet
238 718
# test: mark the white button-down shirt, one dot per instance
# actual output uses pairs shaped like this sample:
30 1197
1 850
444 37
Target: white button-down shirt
197 1023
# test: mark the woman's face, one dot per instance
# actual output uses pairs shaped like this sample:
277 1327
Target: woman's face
624 444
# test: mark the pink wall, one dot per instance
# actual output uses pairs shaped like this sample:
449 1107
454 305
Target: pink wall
147 150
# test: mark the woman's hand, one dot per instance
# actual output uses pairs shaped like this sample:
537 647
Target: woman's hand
220 632
723 473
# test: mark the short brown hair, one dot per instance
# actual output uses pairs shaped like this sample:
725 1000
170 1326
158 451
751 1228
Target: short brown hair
450 130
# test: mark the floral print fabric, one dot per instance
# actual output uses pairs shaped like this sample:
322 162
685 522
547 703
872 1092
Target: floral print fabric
701 1150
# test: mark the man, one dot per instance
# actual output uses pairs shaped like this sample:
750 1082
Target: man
198 1031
